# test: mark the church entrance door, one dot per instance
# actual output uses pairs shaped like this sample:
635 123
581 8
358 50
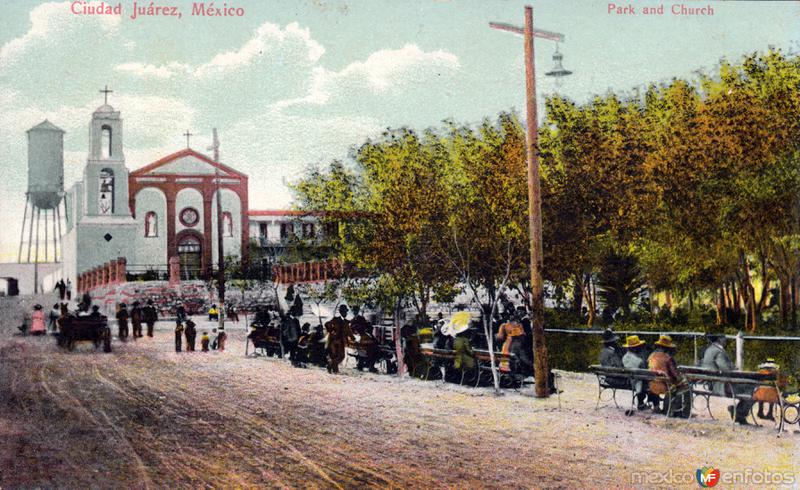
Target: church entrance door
190 254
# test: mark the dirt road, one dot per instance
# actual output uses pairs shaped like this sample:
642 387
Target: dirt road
147 417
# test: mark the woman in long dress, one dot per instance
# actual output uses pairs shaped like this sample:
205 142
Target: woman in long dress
37 321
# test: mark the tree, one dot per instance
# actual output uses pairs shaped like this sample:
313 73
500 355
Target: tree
487 213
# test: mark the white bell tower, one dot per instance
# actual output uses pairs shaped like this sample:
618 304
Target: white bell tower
105 175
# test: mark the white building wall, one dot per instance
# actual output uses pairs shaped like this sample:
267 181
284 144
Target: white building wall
92 247
231 245
189 198
151 250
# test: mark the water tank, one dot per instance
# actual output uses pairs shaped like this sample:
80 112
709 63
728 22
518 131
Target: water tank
45 165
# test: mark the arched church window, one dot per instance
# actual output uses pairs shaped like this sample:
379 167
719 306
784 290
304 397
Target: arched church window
105 197
151 224
105 141
227 224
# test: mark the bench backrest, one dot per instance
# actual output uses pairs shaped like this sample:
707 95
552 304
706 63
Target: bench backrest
645 374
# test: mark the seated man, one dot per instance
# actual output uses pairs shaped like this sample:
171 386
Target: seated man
366 345
663 360
316 347
301 356
716 359
611 356
634 358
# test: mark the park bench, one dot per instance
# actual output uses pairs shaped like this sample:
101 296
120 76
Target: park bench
483 363
483 367
384 355
791 409
701 381
614 379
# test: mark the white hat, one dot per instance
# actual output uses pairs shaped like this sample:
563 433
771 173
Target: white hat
459 322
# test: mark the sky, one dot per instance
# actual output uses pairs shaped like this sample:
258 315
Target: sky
296 84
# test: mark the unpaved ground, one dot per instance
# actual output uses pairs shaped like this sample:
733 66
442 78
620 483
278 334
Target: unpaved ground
147 417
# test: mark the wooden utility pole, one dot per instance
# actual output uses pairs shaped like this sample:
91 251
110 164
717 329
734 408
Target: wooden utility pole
534 199
220 250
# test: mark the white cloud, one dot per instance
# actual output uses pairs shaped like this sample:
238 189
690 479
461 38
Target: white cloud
381 71
152 71
268 37
47 21
396 67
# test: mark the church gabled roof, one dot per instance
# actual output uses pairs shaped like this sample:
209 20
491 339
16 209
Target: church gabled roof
186 162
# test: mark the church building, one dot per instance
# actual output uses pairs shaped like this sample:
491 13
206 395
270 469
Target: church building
165 209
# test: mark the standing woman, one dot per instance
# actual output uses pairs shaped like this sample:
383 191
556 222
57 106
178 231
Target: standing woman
37 321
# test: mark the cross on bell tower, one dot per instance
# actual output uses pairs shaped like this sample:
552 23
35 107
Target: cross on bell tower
188 135
105 93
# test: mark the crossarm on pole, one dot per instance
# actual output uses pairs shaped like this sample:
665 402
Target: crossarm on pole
552 36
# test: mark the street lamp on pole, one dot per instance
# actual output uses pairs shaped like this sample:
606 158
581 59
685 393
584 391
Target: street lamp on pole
534 193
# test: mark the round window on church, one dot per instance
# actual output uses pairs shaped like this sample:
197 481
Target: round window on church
189 217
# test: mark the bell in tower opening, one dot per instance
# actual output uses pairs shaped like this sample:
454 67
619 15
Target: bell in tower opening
105 203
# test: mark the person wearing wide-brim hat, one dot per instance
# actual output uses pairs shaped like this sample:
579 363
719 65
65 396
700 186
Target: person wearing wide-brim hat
715 358
137 316
150 316
634 359
769 394
122 321
662 360
611 356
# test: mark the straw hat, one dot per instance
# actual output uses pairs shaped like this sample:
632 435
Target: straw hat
459 322
769 364
632 341
665 341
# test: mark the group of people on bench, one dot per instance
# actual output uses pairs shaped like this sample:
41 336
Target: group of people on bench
512 333
635 354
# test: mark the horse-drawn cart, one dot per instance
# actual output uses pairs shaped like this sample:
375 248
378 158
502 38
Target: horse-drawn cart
265 338
83 328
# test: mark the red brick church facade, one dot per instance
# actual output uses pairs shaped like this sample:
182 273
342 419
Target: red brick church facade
159 176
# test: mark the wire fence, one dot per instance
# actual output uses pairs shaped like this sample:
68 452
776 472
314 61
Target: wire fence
739 339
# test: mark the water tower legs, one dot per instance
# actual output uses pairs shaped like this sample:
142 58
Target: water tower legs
22 231
35 224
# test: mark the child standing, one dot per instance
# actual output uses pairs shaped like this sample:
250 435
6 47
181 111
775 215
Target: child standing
204 341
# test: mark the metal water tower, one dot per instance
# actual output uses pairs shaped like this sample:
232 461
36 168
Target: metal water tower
44 196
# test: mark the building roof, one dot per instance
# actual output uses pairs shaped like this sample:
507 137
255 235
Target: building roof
283 212
104 108
186 152
46 126
300 212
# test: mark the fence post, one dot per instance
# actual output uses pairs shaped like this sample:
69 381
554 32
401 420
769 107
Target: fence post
740 350
174 271
694 337
122 269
